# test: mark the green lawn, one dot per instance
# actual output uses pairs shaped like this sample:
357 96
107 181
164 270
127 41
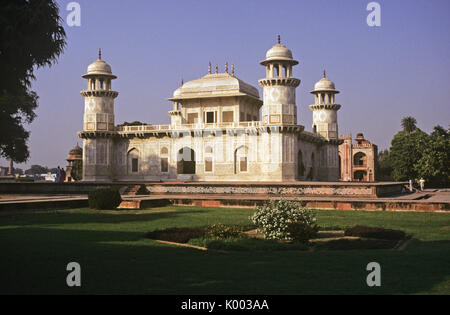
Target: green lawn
115 258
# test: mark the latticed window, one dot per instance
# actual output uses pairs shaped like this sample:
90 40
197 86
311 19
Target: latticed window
164 160
164 165
208 164
227 116
243 164
134 165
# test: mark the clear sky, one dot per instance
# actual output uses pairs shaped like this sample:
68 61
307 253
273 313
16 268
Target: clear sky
384 73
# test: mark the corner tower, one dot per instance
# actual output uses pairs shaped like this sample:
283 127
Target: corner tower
98 127
324 109
99 98
279 86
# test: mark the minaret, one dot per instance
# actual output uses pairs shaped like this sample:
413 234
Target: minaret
324 109
99 98
279 86
98 127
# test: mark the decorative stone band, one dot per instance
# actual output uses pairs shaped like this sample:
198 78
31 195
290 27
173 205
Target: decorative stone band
325 106
363 146
175 113
279 81
316 138
96 134
174 133
100 93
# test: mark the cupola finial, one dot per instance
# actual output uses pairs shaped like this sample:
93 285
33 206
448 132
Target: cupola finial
209 68
100 53
279 40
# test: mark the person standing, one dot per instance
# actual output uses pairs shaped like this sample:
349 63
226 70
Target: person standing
422 184
63 175
58 175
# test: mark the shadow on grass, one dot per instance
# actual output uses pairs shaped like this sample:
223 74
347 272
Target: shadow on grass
92 216
34 260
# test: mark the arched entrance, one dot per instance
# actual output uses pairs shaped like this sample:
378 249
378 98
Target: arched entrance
133 161
241 160
186 161
360 176
359 159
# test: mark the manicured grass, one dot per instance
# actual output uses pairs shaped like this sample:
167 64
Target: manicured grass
115 257
245 244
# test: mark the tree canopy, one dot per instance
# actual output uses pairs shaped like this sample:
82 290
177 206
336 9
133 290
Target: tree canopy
31 37
434 164
415 154
409 124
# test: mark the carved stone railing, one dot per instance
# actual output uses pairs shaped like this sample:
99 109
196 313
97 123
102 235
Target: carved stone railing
150 128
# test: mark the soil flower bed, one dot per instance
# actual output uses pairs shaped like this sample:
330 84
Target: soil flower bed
247 238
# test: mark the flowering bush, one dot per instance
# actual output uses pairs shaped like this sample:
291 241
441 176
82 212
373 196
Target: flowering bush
285 220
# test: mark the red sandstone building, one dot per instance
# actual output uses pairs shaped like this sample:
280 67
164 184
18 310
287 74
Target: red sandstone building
357 161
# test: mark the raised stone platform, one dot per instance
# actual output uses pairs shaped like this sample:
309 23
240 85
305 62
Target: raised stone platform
288 189
319 195
251 201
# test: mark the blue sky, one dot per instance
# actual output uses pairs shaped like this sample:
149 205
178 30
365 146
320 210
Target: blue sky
384 73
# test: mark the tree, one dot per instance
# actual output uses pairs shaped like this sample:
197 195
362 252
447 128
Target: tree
77 170
434 165
134 123
31 37
18 171
409 124
406 150
384 170
37 169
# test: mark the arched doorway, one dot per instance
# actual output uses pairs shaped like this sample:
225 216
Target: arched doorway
133 161
360 176
360 159
186 161
241 159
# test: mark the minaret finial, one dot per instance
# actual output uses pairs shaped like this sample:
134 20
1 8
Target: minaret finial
226 67
209 68
100 53
182 81
324 73
232 70
279 40
217 69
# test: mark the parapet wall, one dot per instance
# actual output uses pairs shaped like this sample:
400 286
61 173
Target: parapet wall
321 189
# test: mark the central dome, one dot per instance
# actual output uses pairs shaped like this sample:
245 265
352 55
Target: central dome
215 85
